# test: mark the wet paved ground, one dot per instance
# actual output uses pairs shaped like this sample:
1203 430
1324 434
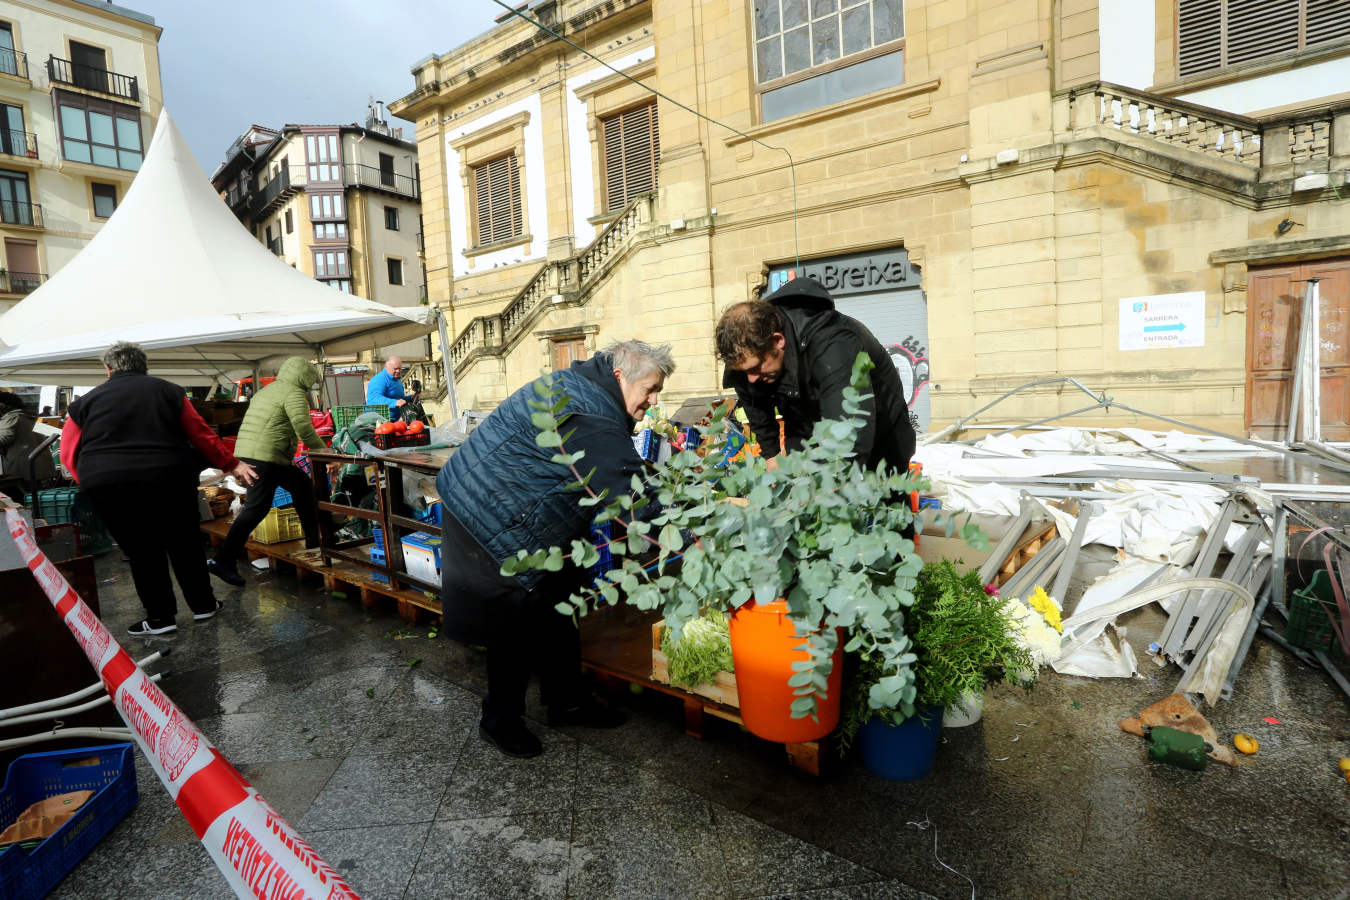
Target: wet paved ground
379 764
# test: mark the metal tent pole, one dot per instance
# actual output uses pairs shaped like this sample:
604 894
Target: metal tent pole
447 366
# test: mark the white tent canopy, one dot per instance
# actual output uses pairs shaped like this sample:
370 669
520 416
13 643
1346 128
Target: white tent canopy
175 272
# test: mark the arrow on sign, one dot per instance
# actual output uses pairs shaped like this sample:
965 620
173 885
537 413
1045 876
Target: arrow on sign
1180 326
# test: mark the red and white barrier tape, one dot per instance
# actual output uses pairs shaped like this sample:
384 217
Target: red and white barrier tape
259 854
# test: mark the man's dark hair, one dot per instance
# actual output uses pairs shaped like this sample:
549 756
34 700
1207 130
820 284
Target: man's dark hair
10 400
125 357
747 329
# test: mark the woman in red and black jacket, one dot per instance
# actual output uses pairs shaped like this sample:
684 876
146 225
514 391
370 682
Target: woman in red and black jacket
136 445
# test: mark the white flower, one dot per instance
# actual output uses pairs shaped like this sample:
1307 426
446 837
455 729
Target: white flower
1033 633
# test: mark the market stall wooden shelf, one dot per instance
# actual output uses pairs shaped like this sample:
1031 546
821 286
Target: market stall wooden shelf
337 575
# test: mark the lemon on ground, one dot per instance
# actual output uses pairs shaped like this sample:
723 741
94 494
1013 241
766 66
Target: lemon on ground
1344 763
1245 743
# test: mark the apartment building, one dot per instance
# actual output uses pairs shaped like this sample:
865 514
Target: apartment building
1131 193
341 203
79 95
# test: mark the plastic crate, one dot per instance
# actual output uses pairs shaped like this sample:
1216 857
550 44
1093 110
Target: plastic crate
109 771
600 537
378 558
393 440
55 505
281 524
282 497
1310 612
346 415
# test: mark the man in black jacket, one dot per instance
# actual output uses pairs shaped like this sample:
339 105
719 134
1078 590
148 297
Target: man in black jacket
793 352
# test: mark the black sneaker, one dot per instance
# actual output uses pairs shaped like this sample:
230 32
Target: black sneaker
590 713
203 616
141 629
225 573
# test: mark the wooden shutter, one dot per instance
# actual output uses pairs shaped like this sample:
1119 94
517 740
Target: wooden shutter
1327 20
632 151
497 186
1200 35
1257 28
1212 34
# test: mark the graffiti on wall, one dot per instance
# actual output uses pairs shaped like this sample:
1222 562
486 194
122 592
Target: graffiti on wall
911 361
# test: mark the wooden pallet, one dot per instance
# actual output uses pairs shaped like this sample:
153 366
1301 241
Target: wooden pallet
720 699
338 575
1036 536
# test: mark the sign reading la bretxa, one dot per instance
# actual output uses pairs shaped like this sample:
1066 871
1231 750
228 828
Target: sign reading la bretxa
1163 321
855 273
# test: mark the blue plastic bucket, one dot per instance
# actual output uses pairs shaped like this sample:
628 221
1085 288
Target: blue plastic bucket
903 752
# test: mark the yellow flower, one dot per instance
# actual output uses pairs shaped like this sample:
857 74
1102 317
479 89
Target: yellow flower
1041 602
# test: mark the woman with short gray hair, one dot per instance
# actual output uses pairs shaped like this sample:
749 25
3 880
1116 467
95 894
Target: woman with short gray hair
503 493
125 357
135 444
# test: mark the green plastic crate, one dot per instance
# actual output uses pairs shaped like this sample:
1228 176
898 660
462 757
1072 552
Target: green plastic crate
1310 612
346 415
55 505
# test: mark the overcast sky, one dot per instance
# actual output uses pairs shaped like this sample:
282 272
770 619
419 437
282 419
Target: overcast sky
229 64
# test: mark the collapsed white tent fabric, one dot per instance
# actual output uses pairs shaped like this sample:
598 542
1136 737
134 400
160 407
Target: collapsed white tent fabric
174 271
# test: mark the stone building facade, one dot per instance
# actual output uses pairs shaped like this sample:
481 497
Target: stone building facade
1131 194
340 203
80 92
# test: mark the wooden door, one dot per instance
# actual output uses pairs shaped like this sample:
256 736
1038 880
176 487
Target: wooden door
1275 299
567 351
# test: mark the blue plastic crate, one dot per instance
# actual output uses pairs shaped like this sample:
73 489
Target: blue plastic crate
109 771
378 558
600 536
282 497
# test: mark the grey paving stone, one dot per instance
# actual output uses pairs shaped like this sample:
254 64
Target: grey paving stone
666 851
486 783
383 790
377 862
521 856
761 861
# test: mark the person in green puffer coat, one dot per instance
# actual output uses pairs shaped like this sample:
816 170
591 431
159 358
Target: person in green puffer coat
277 417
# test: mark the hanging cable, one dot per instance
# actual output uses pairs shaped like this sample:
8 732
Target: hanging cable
792 166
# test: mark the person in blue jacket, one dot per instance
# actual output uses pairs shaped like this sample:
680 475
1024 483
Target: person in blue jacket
503 493
386 388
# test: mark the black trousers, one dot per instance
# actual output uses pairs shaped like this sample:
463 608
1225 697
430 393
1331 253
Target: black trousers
258 502
522 631
156 525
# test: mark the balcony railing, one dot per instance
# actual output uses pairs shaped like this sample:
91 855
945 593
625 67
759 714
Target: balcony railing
278 188
18 143
13 62
12 212
20 282
371 176
63 71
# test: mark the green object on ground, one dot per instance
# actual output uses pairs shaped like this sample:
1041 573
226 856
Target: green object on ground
340 595
1177 748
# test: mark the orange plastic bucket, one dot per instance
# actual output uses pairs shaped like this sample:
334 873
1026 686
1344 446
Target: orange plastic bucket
764 646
